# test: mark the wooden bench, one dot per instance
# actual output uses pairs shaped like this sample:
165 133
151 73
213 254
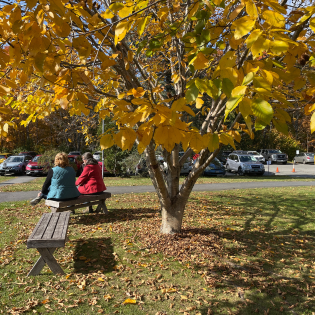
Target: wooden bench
49 234
81 202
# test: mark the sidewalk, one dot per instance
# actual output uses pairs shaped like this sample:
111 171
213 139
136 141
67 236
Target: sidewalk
116 190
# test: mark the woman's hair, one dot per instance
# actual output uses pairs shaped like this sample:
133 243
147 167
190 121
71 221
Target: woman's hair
61 159
89 158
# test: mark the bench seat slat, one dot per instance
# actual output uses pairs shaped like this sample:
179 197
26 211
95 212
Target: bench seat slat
51 227
53 231
41 226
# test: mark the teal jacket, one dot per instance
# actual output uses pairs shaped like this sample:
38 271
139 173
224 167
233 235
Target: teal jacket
63 184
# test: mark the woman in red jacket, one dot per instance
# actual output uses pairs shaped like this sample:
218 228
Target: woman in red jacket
90 182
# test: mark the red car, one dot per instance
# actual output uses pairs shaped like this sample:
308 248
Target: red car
32 168
106 172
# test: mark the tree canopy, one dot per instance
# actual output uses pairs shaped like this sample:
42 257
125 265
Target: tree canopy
153 67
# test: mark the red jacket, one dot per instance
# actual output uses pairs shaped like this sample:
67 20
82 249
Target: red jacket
91 180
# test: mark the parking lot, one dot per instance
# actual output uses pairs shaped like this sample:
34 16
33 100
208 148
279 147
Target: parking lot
286 169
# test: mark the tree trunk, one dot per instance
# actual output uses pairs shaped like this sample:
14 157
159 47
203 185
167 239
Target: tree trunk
172 218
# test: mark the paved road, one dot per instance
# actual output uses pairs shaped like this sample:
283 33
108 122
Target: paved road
115 190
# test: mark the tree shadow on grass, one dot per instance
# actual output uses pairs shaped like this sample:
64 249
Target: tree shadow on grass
274 273
114 215
94 254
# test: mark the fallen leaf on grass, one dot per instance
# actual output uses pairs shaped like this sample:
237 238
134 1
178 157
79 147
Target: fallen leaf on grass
183 297
169 290
107 297
130 301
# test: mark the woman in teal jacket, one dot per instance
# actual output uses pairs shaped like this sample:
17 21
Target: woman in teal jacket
60 182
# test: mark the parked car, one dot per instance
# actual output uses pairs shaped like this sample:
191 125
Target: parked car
97 155
4 156
106 172
31 153
76 162
256 155
215 168
274 156
74 153
244 164
142 169
222 156
304 157
15 164
34 168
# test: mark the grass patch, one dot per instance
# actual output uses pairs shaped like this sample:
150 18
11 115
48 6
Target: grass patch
240 252
37 183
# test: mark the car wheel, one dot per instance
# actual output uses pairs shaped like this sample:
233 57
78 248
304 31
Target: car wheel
227 168
304 162
240 172
294 161
23 171
284 162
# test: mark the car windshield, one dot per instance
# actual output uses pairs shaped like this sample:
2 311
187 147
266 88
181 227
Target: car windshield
253 153
2 156
216 162
71 159
247 158
309 154
36 158
15 159
275 151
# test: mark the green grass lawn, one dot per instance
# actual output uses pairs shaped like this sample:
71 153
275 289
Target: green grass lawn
240 252
140 181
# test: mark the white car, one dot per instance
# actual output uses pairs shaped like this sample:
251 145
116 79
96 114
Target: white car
257 156
97 155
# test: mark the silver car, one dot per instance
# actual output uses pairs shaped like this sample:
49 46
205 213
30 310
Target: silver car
304 157
244 164
15 164
257 156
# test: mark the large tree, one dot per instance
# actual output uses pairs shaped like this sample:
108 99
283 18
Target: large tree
153 67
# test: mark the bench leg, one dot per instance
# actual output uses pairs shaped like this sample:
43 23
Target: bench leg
50 260
40 264
104 208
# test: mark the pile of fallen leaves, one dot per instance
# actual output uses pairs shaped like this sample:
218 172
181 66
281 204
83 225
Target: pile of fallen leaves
191 244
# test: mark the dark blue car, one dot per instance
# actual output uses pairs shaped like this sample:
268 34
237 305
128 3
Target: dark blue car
215 168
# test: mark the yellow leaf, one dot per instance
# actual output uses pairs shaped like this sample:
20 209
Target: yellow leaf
142 24
4 90
307 109
178 104
64 102
138 92
199 102
227 139
130 301
243 26
239 90
169 290
278 47
200 61
193 9
100 279
245 107
130 55
196 142
253 36
106 142
5 110
213 142
121 31
183 297
274 18
83 98
259 46
107 297
127 10
251 9
107 14
175 78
